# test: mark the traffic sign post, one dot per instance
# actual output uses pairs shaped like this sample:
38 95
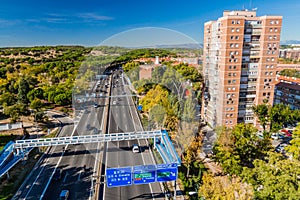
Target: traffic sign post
116 177
167 172
144 174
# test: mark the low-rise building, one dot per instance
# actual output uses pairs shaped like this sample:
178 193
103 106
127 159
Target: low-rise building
146 71
287 91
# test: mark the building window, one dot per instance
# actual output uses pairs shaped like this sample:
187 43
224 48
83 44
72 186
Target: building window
229 74
238 21
271 29
230 122
236 53
272 66
276 22
231 37
234 67
229 81
233 88
275 29
273 52
272 22
236 45
266 73
270 80
232 22
234 74
237 30
232 30
267 66
233 81
231 45
236 37
272 59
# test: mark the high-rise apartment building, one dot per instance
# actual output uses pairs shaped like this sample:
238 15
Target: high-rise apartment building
239 65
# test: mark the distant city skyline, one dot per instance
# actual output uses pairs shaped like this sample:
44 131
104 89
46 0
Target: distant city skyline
89 23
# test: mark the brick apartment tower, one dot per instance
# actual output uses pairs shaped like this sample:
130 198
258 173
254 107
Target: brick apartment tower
239 66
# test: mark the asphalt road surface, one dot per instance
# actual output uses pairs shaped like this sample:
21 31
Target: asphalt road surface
76 162
123 118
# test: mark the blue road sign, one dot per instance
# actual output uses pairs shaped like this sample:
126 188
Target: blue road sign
140 107
144 174
166 172
119 176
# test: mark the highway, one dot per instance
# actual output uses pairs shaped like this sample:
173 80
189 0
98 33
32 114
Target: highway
77 162
124 118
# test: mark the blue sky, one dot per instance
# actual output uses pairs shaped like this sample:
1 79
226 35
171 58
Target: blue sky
89 22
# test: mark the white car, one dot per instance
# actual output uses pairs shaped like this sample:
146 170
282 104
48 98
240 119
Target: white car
135 148
114 102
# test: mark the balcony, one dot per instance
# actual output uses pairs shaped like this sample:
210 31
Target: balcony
256 32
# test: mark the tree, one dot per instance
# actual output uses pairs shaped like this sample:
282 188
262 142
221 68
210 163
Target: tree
294 148
7 99
279 114
238 147
23 90
274 178
262 111
224 188
36 104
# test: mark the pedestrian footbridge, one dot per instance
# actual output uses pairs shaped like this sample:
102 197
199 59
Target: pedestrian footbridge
15 151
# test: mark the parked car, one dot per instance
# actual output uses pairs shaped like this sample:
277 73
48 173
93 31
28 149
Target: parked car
280 148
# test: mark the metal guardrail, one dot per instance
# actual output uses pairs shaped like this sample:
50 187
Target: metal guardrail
19 144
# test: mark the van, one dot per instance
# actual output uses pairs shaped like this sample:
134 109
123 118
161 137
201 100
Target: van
64 194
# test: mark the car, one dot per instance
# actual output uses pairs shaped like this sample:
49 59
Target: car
114 102
280 148
135 148
64 194
96 105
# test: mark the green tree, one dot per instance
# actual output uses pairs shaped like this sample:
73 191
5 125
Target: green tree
7 99
279 114
23 90
36 104
239 147
274 178
262 112
294 148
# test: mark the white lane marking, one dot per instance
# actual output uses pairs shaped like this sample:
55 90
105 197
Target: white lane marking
34 182
48 183
131 107
106 150
96 159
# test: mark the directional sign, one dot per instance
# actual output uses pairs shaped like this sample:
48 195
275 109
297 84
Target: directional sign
119 176
166 172
144 174
140 107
